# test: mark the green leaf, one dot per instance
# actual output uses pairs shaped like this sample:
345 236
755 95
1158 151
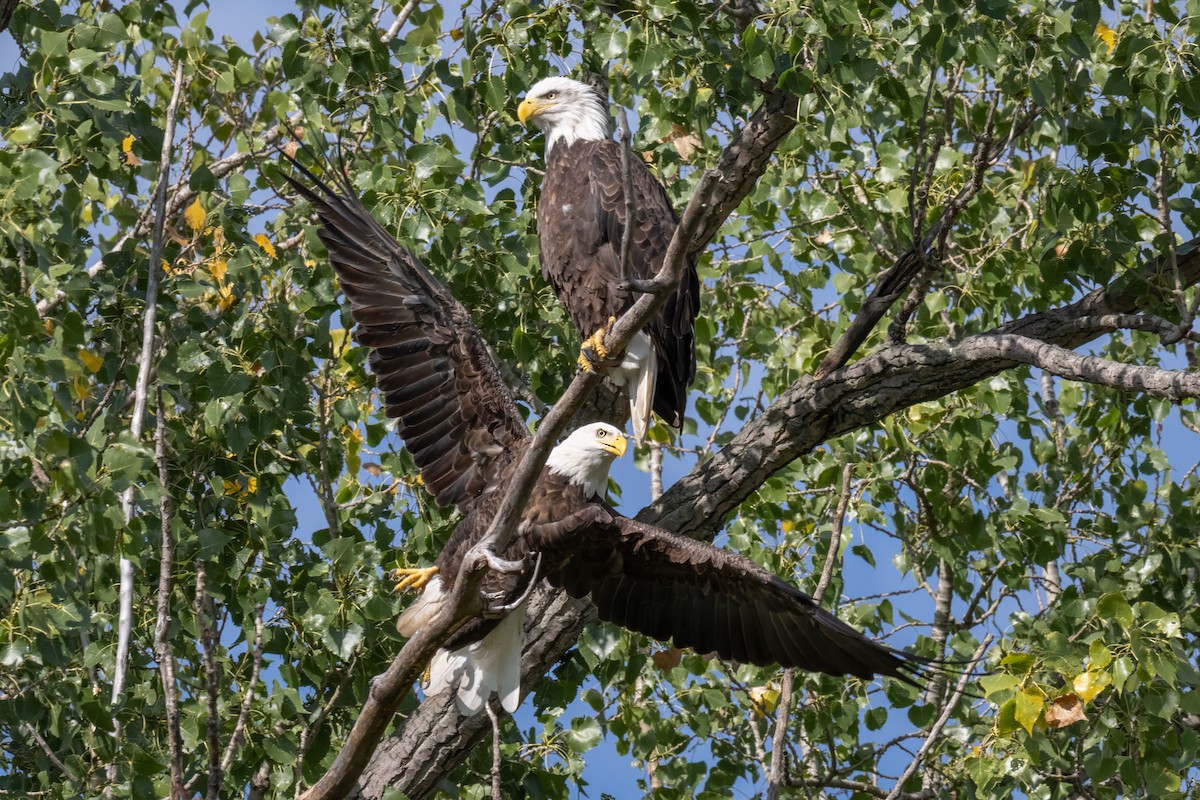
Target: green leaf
1028 708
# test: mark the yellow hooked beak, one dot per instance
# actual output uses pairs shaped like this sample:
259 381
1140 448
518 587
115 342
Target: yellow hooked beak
616 444
530 108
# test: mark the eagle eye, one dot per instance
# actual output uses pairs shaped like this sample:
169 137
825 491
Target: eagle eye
551 95
602 433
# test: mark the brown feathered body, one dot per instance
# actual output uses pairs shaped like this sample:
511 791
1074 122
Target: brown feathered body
581 225
463 428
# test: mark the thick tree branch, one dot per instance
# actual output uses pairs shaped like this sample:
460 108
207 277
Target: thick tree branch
814 410
1171 384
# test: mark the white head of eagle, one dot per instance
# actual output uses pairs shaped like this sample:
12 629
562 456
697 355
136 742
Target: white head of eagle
565 110
584 457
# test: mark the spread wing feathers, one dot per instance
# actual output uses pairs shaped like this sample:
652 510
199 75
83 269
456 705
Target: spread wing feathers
581 252
711 600
431 364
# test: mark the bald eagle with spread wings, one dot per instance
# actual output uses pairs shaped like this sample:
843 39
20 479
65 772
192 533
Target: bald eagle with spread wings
582 223
466 435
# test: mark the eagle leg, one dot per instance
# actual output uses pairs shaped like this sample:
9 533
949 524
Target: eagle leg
413 578
593 349
500 609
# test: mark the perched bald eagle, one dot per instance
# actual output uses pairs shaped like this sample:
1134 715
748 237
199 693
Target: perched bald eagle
463 429
581 225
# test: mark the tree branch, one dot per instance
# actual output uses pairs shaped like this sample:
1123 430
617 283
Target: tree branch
205 621
256 655
162 642
947 709
141 391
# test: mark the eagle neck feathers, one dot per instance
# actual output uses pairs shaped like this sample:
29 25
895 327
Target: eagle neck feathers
586 122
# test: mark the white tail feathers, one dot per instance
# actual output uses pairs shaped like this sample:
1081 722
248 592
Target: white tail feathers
638 373
493 664
422 610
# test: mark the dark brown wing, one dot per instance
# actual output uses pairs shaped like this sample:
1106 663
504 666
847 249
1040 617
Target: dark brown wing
711 600
456 415
581 222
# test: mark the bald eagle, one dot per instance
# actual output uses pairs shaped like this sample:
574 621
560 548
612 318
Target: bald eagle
466 435
581 224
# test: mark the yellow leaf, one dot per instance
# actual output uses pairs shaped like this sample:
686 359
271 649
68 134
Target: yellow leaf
80 388
1028 708
765 699
1064 710
787 525
266 245
1089 684
195 215
90 360
241 487
1108 36
131 158
217 269
353 451
87 214
225 297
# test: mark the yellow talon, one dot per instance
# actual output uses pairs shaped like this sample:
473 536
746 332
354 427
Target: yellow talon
413 578
595 343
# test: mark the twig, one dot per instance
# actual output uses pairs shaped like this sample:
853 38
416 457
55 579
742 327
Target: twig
141 391
834 782
256 655
162 642
32 733
656 470
948 709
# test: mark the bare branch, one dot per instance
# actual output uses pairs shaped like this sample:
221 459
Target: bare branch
1171 384
203 607
32 733
256 656
162 642
141 391
401 18
491 712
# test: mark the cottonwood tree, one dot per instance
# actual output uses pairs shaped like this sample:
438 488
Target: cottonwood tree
948 384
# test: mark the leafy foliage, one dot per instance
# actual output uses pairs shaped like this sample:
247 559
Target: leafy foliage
1057 516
